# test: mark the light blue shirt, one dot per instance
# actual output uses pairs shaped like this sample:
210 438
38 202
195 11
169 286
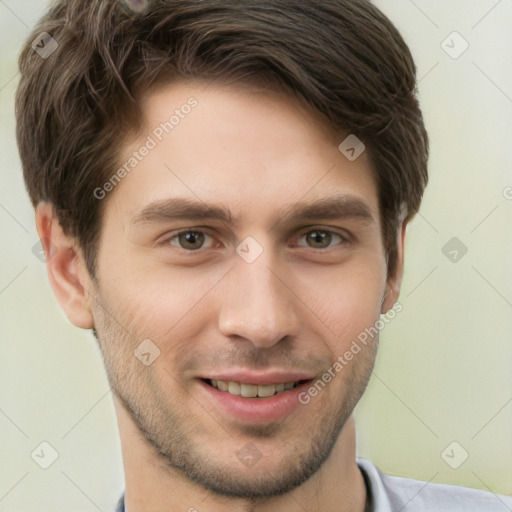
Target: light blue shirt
397 494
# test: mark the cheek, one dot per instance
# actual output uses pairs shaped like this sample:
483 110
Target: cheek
346 299
168 310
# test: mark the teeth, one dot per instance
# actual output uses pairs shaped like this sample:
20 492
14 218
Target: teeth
234 388
252 390
248 390
266 391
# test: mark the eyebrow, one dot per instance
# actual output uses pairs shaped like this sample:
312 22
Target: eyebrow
180 208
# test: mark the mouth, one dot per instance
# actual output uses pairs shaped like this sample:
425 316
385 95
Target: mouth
254 396
257 391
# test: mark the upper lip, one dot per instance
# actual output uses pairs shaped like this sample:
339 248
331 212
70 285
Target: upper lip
261 377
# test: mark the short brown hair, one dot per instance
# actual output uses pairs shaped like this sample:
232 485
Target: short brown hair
344 58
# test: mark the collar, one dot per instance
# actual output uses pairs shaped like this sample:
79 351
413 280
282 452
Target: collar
374 486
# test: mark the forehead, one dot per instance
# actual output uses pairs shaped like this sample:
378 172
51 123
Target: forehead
258 152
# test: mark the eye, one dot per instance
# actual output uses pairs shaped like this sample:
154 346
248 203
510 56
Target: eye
190 240
322 238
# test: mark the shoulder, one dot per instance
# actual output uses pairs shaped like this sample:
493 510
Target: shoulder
120 504
425 496
394 493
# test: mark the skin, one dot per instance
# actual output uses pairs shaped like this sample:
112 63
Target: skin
297 306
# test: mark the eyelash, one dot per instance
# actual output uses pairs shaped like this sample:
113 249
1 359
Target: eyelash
168 240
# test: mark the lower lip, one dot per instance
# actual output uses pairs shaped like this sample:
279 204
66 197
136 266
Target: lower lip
256 410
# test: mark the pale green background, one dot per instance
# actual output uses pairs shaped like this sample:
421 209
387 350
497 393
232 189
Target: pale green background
444 372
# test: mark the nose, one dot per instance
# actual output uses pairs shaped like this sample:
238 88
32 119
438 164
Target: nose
258 303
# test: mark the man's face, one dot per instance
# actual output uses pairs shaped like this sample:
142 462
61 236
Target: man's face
267 297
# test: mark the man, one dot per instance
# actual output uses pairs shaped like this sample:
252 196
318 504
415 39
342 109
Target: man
222 190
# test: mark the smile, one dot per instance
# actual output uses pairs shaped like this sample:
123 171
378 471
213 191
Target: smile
252 390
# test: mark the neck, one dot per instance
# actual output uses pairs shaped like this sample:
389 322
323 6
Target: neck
150 484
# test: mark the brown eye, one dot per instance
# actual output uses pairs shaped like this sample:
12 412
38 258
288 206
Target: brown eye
189 240
321 239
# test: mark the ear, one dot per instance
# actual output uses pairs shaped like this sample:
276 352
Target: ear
394 280
66 269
